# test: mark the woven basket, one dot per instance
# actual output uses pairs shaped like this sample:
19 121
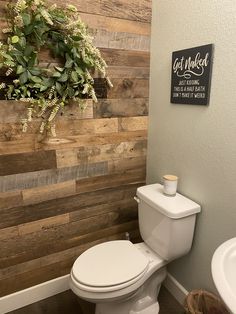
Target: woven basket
204 302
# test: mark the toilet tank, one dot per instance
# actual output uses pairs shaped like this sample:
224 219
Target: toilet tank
166 223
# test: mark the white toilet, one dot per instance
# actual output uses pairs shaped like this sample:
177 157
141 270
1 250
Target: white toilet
125 278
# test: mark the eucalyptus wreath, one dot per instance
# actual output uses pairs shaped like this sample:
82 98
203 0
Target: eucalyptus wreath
33 25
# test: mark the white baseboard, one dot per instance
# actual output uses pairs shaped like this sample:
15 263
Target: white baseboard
175 288
47 289
33 294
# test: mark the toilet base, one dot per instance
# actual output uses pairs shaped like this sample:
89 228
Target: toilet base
143 301
152 309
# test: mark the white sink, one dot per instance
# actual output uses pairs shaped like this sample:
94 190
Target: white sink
223 267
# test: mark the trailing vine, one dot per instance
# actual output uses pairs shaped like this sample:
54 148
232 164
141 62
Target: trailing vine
46 90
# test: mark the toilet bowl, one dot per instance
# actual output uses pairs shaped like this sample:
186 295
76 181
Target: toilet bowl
125 278
136 285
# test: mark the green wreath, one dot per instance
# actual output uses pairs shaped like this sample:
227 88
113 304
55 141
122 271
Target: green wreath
47 90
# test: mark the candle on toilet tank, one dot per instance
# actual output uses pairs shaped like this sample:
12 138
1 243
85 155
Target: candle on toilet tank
170 184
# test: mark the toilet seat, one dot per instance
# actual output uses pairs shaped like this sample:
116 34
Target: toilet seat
109 266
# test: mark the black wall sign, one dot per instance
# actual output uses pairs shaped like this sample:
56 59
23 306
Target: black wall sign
191 75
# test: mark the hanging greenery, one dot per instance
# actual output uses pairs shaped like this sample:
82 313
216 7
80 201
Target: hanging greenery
32 25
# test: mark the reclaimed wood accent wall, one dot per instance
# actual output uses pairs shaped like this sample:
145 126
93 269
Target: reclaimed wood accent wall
62 195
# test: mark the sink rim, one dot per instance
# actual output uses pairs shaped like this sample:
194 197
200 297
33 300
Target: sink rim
219 276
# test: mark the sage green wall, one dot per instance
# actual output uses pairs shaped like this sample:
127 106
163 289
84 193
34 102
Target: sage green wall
197 143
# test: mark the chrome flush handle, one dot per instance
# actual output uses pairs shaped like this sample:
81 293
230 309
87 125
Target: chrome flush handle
137 199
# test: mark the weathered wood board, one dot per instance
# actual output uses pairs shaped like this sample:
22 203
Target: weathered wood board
60 196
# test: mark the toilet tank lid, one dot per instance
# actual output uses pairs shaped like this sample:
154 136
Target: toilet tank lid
175 207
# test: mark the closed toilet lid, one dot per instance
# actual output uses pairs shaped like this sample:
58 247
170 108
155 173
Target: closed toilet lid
110 263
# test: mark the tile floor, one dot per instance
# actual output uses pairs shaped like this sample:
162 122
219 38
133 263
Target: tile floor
68 303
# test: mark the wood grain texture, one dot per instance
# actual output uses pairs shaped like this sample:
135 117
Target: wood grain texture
27 162
106 39
133 124
113 57
58 238
60 196
101 22
57 264
98 153
28 143
115 24
10 199
22 214
137 10
13 111
44 193
128 72
128 88
108 108
113 180
52 176
69 253
69 126
121 57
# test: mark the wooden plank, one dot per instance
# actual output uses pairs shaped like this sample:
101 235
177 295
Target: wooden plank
128 72
90 240
119 71
43 224
100 209
97 153
52 176
8 286
41 243
53 215
130 58
101 236
10 143
112 71
23 214
133 124
30 142
22 257
113 57
7 233
48 192
73 110
90 126
112 180
129 88
12 131
68 125
127 9
122 88
13 111
111 24
61 261
10 199
115 40
129 107
137 10
126 164
27 162
35 226
97 139
2 9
